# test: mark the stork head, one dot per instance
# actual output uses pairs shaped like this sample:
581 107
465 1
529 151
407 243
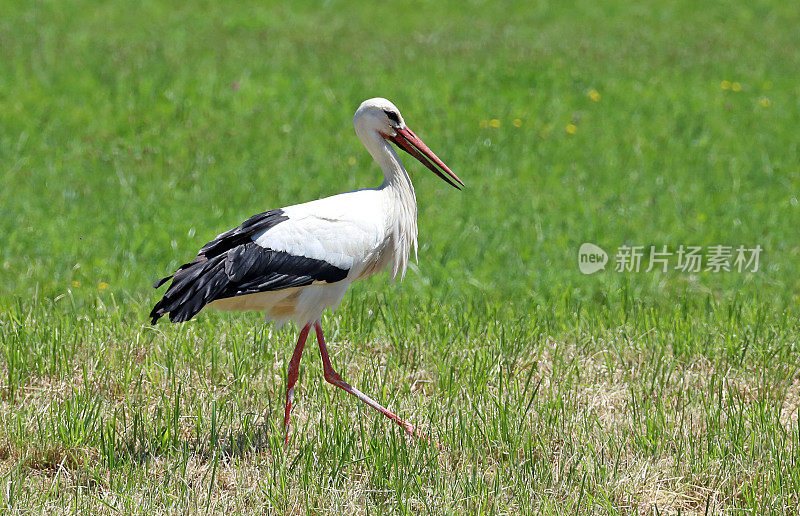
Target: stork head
381 116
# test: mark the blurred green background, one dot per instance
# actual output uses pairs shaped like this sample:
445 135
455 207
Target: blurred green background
131 133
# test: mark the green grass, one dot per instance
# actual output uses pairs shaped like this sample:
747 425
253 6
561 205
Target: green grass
131 133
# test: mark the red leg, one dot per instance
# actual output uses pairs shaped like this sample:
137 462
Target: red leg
291 378
334 378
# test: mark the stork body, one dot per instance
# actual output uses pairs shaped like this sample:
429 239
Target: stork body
293 263
346 237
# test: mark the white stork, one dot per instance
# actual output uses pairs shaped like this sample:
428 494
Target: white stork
292 263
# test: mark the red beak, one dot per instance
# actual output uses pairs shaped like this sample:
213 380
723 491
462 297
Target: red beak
410 142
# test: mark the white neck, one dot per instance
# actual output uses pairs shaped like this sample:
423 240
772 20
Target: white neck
402 201
394 173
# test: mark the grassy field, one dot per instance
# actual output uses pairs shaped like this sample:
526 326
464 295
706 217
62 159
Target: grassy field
133 132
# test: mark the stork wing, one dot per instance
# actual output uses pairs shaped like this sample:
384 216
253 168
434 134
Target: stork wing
233 264
232 238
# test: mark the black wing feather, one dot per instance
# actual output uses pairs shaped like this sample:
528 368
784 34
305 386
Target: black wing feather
234 265
244 232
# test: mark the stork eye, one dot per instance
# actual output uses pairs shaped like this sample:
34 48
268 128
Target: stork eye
392 116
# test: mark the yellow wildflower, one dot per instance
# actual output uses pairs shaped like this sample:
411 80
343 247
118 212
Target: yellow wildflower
594 95
351 161
517 122
735 86
725 85
494 122
76 284
103 285
764 102
572 128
